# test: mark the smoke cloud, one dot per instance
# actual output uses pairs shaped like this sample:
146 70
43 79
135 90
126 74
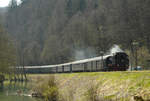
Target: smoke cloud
115 49
84 53
89 52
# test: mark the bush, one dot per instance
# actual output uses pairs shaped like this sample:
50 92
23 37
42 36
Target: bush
47 89
51 93
2 78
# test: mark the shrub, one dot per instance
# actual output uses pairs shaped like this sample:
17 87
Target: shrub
51 93
47 89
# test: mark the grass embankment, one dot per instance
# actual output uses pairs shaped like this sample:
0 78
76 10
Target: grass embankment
125 86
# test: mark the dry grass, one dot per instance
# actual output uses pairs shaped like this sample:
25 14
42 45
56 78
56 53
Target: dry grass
102 86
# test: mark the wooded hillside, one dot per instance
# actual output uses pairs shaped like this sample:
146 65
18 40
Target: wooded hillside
7 53
57 31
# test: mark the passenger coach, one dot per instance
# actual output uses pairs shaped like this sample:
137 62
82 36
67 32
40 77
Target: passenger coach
115 62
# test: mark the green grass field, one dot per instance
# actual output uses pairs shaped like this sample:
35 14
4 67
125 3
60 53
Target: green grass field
110 85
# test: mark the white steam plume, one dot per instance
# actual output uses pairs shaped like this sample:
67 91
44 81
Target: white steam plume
115 49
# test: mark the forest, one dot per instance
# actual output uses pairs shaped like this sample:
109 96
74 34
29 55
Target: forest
46 32
7 53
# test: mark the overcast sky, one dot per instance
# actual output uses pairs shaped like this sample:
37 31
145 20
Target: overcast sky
4 3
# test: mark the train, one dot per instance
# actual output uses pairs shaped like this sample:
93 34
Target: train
114 62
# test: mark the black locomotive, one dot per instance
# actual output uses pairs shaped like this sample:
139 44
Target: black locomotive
115 62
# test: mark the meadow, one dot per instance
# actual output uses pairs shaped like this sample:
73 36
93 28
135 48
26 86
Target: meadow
98 86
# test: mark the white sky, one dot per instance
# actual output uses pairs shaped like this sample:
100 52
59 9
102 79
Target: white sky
4 3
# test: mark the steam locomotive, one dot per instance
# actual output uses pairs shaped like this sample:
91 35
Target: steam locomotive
115 62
